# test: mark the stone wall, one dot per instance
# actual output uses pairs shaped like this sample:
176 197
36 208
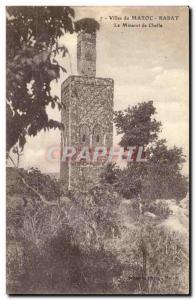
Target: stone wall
87 115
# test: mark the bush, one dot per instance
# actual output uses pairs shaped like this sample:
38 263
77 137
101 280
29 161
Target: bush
159 208
82 245
166 265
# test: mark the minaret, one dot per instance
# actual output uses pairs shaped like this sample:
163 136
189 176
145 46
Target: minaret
87 113
86 53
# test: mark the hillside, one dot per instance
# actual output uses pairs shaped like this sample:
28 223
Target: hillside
101 239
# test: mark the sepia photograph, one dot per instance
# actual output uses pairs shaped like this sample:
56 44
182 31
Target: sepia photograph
97 150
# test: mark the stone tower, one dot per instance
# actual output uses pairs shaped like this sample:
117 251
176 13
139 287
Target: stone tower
87 113
86 53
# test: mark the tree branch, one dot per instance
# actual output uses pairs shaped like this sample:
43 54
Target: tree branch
40 196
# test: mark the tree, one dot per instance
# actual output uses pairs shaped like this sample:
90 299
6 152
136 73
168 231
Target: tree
160 176
164 178
137 124
32 45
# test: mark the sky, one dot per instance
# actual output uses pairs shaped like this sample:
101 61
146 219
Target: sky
146 63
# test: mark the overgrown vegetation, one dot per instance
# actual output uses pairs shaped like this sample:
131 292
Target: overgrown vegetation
60 248
160 176
82 245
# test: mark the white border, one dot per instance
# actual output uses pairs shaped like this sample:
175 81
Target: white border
4 3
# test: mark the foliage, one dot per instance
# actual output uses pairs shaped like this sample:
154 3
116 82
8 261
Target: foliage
163 178
32 45
137 125
110 173
160 208
82 245
87 24
67 239
130 180
93 213
160 176
45 184
165 261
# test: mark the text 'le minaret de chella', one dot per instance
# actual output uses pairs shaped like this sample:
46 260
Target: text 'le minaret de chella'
87 113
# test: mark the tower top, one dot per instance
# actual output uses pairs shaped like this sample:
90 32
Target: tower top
86 46
87 25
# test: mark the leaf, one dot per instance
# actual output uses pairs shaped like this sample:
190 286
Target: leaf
31 34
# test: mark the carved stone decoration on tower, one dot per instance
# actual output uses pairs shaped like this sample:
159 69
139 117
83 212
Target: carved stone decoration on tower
87 113
86 53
